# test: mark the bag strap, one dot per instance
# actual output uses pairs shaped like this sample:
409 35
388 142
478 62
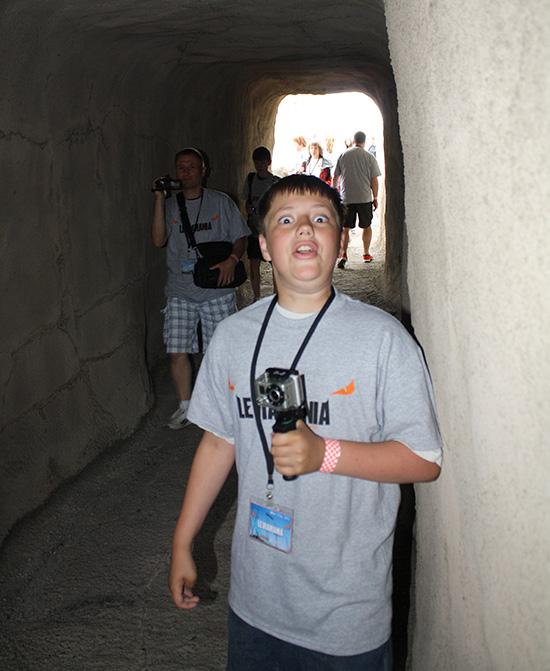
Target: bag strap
250 180
186 223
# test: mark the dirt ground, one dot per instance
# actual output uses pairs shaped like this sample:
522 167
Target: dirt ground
83 580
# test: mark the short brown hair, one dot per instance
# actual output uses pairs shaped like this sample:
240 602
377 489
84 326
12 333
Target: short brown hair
301 184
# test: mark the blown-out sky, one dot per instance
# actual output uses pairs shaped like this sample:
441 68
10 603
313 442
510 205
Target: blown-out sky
317 117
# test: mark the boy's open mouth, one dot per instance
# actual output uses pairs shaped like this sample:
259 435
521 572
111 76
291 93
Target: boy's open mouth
305 248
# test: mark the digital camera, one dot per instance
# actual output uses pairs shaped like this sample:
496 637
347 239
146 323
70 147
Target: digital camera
167 184
283 391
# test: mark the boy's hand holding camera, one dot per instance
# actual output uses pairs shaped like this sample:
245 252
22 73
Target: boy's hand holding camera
297 452
302 451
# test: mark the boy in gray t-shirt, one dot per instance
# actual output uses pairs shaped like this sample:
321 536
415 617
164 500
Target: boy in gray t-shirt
311 556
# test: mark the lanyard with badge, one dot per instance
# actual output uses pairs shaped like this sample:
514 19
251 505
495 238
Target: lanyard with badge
188 265
283 391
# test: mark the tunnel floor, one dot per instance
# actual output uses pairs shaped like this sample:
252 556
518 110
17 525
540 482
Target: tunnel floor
83 580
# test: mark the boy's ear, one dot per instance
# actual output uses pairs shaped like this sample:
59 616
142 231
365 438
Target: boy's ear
263 247
341 250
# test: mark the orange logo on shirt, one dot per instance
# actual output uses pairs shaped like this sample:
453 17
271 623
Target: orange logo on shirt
214 218
230 385
346 391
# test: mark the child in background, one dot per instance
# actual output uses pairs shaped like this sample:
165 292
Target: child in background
311 556
255 185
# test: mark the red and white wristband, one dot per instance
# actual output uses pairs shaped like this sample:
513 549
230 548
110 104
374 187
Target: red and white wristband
332 454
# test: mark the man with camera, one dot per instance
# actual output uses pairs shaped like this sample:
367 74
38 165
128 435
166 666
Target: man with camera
212 216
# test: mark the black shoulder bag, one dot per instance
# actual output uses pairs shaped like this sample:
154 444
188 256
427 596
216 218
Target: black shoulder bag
209 254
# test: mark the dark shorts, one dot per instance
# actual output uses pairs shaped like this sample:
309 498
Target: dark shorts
251 649
253 250
363 210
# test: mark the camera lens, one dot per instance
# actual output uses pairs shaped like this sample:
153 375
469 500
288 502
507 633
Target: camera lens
275 395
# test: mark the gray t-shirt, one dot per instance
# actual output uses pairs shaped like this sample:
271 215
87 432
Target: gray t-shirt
356 167
332 592
252 192
213 217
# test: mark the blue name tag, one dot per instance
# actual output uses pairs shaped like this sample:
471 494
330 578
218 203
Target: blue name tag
271 525
188 266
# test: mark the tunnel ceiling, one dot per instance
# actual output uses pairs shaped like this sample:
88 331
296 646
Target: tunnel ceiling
162 32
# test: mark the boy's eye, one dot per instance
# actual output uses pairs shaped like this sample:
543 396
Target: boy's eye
285 220
320 219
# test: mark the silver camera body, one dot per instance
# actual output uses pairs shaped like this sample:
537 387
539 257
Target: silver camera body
281 389
284 392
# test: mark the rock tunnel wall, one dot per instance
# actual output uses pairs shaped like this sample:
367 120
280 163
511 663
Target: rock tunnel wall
85 128
474 93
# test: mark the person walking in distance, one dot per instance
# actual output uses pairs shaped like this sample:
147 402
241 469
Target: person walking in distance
356 174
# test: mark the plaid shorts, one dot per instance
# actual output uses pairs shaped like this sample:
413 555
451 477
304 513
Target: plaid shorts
181 319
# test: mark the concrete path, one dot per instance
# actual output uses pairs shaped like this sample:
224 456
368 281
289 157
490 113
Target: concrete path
83 580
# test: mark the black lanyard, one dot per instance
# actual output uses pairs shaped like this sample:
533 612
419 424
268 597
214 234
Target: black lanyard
267 452
186 224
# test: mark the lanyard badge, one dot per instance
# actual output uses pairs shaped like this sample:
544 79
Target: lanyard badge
284 392
271 524
281 389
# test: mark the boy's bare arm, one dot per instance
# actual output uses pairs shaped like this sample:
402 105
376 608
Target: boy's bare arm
211 466
302 451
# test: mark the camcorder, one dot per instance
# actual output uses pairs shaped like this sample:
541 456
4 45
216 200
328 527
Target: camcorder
167 184
282 390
